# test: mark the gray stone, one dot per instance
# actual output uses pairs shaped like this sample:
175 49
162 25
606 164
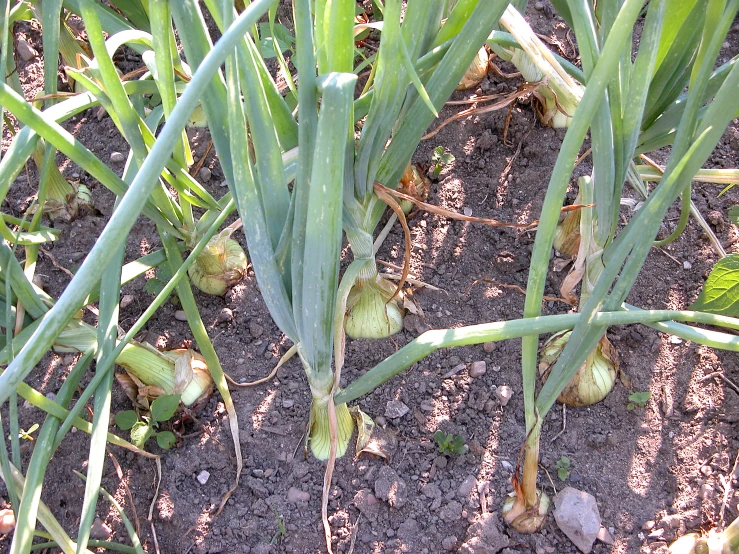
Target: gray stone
484 536
576 514
391 488
99 531
25 50
117 157
225 315
431 490
205 174
203 477
478 369
179 315
367 504
295 495
395 409
467 486
503 393
488 347
539 6
288 403
408 529
449 543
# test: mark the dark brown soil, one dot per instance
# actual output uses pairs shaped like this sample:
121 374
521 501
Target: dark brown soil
656 472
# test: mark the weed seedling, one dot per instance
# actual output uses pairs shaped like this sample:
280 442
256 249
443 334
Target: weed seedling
638 400
563 466
439 159
449 443
162 409
281 529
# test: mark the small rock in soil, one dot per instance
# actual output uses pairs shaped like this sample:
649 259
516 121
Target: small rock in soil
489 347
431 491
467 486
478 369
255 329
484 536
395 409
408 529
204 174
99 531
117 157
225 315
288 403
391 488
576 514
687 265
675 340
179 315
126 301
25 50
504 393
296 495
203 477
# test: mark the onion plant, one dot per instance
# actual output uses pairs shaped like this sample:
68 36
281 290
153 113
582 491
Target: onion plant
301 187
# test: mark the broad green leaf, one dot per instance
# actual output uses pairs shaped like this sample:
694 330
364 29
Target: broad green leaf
720 294
126 420
164 407
166 440
140 433
734 215
285 40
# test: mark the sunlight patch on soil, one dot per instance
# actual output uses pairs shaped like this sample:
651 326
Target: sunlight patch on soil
257 417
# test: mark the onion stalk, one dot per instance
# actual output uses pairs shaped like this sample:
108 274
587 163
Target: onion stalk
476 72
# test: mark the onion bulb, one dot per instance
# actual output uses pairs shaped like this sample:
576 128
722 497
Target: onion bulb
7 521
522 520
370 312
413 183
594 379
476 72
220 265
320 434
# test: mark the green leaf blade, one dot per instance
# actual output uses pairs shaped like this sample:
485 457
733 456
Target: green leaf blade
720 294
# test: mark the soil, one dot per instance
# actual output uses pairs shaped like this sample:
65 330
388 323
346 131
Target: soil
656 471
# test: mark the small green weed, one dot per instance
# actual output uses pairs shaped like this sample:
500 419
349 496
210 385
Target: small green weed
449 443
638 400
281 532
439 159
563 466
162 409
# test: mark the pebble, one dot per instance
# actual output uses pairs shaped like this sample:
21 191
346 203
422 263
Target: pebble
467 486
288 403
576 513
117 157
295 495
223 183
427 405
687 265
503 393
7 521
255 329
391 488
539 6
675 340
451 512
99 531
203 477
225 315
478 369
25 50
489 346
467 211
126 300
395 409
179 315
508 466
205 174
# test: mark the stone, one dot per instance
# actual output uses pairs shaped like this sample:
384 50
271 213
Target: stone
225 315
117 158
205 174
467 211
467 486
255 329
431 490
675 339
503 393
179 315
288 403
295 495
539 6
484 536
395 409
576 513
687 265
489 347
449 543
99 531
391 488
408 529
478 369
25 50
126 301
203 477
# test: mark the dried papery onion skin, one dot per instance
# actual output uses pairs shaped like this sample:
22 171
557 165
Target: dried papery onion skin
522 520
476 72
